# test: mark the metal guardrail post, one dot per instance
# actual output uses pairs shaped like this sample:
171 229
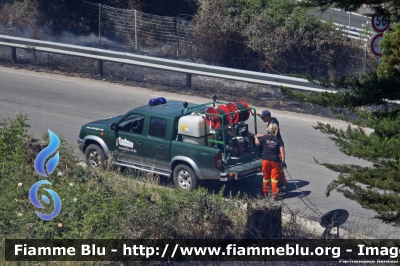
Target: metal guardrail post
349 20
13 55
188 80
100 67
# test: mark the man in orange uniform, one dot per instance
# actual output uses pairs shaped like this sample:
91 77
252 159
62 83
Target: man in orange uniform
266 117
271 163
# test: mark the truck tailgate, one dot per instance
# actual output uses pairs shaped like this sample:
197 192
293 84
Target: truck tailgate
243 170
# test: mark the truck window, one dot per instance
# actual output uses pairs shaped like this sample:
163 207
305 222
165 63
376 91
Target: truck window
133 123
158 127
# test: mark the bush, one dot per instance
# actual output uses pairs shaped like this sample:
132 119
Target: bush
54 15
303 44
180 215
273 36
19 14
13 135
100 204
217 27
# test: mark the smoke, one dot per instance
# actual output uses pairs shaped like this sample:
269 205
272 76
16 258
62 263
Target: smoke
44 33
71 38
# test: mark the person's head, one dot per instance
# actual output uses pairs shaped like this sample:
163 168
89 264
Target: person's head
265 116
273 129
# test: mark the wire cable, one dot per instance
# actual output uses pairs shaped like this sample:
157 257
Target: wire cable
313 208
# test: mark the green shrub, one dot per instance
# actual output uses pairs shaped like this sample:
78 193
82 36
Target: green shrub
100 204
13 135
20 14
273 36
160 214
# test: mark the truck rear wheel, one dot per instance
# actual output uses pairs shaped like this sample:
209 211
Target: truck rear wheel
185 177
95 157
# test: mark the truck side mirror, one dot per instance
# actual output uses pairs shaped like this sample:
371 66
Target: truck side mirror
113 126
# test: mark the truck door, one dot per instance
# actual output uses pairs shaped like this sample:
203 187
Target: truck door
129 139
157 146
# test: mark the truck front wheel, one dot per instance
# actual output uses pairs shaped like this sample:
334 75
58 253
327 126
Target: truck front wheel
95 157
185 177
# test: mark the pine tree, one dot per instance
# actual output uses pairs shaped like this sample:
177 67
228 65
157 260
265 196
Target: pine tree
376 187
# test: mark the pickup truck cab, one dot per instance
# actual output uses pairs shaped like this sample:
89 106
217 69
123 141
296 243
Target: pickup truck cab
187 142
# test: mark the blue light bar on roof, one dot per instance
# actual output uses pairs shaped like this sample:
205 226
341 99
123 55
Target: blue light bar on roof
162 100
157 101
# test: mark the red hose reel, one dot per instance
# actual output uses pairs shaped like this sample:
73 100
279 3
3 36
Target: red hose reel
234 113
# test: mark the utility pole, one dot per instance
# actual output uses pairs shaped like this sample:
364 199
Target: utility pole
135 31
99 22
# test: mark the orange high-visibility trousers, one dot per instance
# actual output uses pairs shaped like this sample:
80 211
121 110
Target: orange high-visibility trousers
271 174
282 177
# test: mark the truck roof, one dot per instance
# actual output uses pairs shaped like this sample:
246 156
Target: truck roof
170 108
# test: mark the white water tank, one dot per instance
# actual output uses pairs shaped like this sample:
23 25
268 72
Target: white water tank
192 128
192 125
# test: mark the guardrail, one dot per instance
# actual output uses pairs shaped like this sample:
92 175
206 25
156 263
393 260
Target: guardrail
353 32
160 63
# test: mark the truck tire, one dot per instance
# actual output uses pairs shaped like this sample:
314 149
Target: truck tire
185 177
95 157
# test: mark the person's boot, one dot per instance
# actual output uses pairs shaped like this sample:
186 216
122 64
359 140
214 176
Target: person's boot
265 190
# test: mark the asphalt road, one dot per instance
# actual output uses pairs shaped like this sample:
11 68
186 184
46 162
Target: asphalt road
345 18
352 19
62 104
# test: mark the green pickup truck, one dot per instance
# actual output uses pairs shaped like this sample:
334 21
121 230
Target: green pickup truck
188 142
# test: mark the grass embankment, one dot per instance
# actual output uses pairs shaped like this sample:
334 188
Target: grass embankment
109 204
102 204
